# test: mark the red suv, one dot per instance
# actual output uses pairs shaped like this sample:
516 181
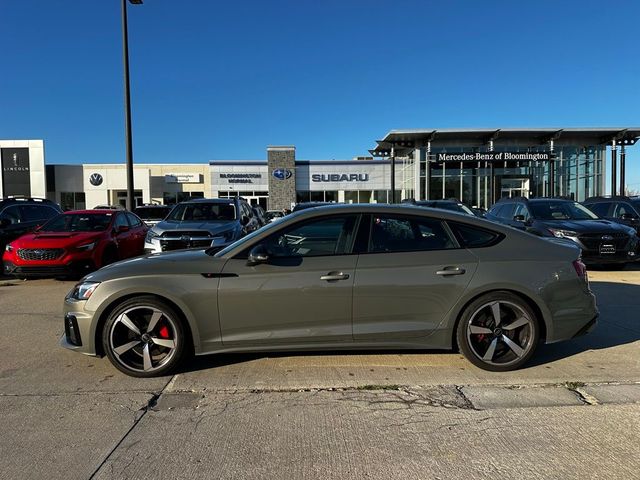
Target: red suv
76 242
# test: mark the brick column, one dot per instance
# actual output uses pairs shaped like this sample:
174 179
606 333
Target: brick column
282 177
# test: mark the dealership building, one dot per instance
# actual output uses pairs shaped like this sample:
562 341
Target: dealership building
476 166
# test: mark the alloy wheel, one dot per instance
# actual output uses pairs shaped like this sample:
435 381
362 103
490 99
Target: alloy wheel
500 333
143 338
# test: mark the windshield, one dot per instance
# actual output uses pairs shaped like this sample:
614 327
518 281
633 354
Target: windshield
561 211
152 213
202 212
78 222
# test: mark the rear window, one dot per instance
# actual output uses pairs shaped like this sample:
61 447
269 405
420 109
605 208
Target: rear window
474 237
152 213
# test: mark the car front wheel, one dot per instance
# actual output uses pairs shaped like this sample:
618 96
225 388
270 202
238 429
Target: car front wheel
144 337
498 332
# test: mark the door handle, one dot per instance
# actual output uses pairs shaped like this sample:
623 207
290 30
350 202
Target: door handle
334 276
451 271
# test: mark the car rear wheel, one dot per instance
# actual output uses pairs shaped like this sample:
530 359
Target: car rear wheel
498 332
144 337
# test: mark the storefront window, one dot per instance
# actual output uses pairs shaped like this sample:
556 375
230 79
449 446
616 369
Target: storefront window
380 196
331 196
365 196
72 201
302 197
351 196
316 196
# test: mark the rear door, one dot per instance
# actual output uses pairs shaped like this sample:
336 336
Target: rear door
412 273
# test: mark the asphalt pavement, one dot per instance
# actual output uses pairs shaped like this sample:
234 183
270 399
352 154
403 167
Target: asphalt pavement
574 412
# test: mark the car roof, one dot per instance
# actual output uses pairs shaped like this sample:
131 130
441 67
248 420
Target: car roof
103 211
211 200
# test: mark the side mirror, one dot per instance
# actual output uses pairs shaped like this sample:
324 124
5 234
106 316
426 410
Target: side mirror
627 216
258 255
519 218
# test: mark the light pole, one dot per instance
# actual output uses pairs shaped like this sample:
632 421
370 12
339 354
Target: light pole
127 102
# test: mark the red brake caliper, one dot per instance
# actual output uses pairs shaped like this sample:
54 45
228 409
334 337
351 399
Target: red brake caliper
164 332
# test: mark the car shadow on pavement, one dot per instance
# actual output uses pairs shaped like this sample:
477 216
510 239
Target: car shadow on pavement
618 325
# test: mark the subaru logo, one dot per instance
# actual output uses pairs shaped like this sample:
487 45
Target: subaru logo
95 179
38 253
282 173
607 237
185 238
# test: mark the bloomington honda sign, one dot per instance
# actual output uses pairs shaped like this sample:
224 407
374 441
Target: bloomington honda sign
495 156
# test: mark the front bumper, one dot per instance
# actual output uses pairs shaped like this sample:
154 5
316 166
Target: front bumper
79 328
74 268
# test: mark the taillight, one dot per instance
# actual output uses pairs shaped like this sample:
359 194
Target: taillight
581 269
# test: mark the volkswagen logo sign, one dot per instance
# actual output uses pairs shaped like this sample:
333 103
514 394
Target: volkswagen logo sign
282 174
95 179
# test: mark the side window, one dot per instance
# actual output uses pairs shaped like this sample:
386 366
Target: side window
33 213
120 221
495 210
506 211
521 209
405 234
600 209
133 220
12 214
319 237
474 237
623 209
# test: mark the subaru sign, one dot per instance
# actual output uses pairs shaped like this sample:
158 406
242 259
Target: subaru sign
282 174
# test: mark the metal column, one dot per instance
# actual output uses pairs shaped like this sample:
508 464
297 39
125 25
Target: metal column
393 174
623 155
614 168
552 171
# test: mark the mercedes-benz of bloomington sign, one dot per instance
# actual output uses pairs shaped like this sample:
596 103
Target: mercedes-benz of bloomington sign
494 156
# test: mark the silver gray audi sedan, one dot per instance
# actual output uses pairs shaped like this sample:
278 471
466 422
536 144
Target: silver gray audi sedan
339 277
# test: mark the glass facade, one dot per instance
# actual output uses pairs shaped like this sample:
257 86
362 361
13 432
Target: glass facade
576 173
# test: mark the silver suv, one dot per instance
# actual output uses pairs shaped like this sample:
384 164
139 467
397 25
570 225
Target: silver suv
202 223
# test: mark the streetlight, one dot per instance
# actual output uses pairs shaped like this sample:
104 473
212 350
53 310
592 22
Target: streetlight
127 102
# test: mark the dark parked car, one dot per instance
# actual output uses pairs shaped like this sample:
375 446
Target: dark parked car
260 214
601 241
202 223
343 277
152 214
74 243
21 215
624 210
273 215
452 205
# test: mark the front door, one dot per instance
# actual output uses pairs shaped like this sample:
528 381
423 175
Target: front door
301 294
410 278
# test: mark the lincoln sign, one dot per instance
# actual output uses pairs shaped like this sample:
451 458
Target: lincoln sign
340 177
495 156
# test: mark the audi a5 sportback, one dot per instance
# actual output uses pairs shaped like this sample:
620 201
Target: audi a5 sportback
339 277
602 242
202 223
75 242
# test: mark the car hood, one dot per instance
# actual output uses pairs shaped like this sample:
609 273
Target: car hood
55 239
193 261
586 226
209 226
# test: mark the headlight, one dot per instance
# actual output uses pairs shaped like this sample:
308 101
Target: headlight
223 237
151 235
563 233
84 290
8 247
87 247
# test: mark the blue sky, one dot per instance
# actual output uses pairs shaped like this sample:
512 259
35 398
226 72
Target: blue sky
222 80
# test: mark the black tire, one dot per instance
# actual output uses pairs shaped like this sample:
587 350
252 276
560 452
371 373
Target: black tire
158 360
477 333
